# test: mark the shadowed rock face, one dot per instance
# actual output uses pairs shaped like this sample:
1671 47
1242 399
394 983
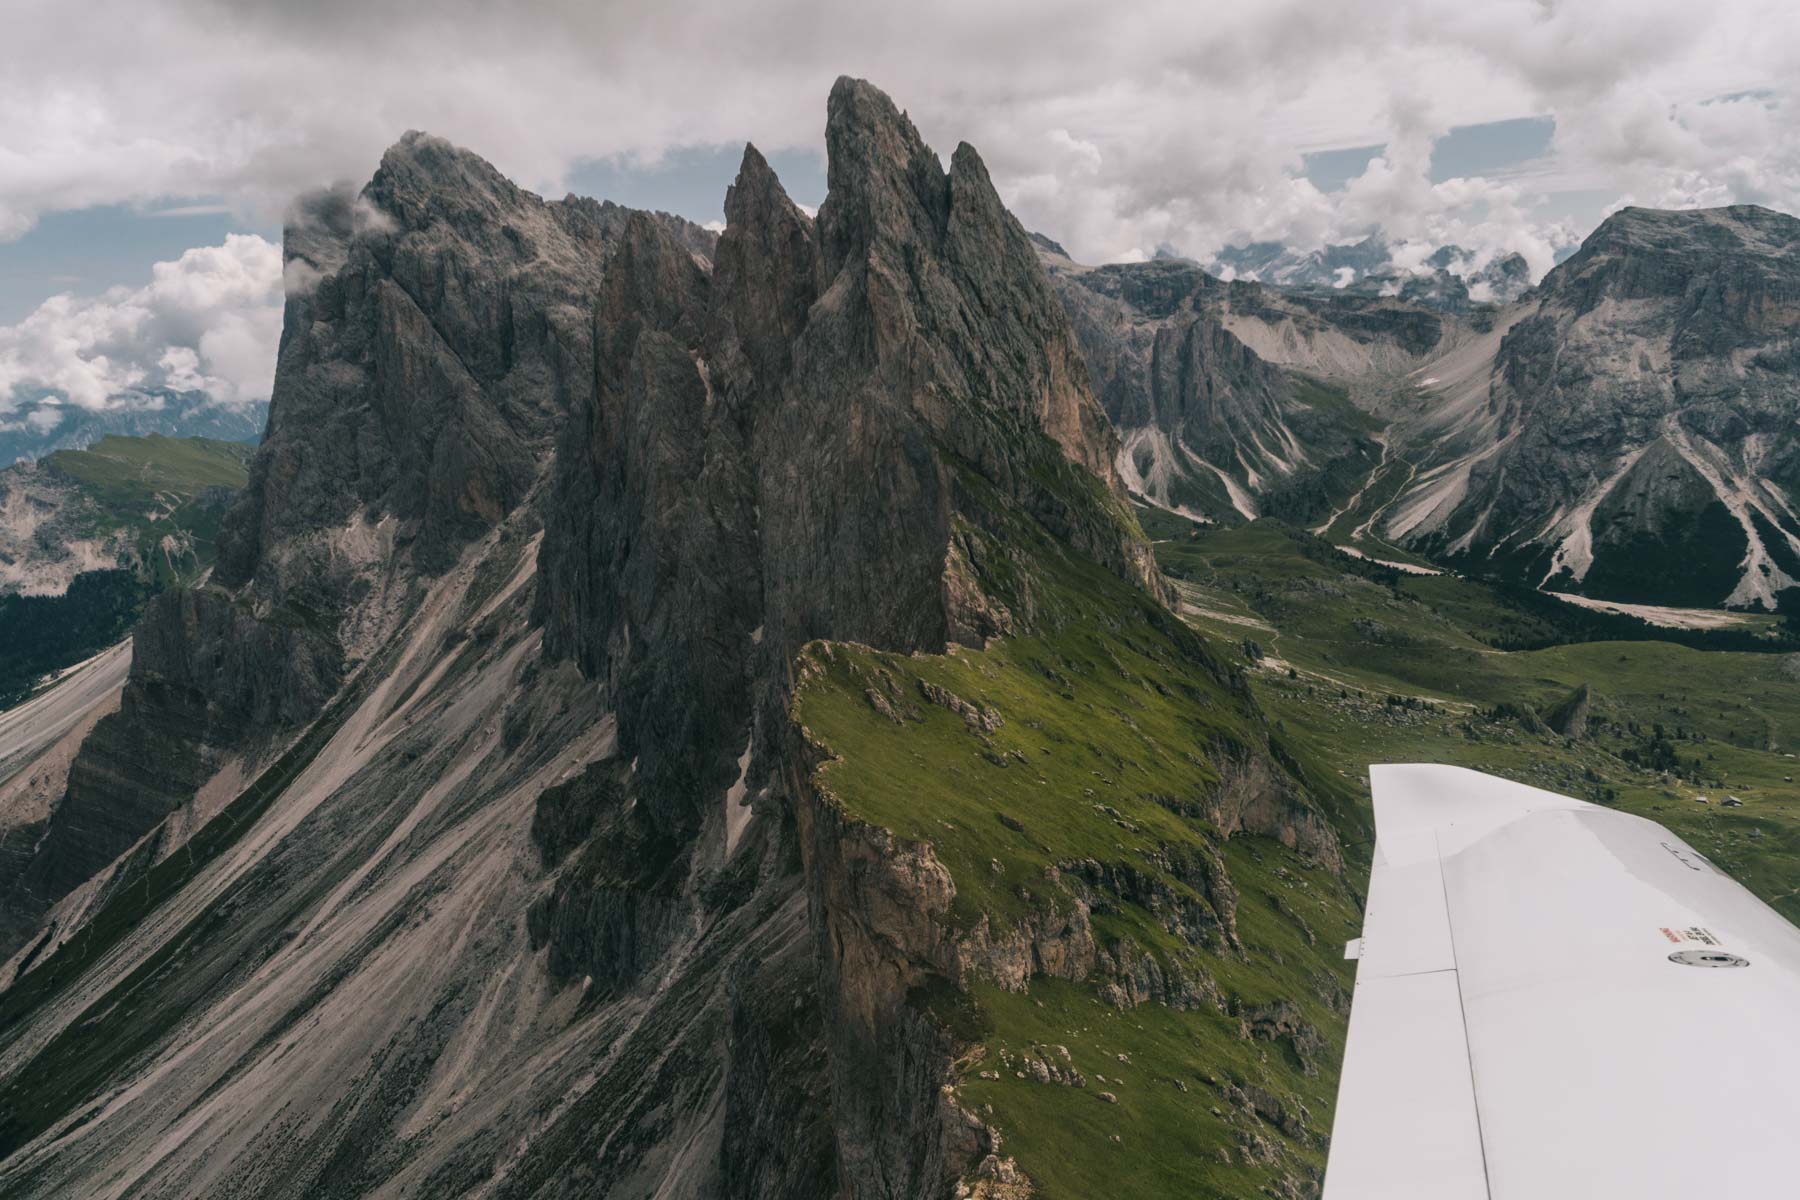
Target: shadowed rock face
438 330
437 333
1208 426
207 681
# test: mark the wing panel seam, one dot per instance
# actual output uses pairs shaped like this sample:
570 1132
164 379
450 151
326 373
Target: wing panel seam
1412 974
1487 1181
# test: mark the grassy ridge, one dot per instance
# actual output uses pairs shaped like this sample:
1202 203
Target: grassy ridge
162 492
124 471
1082 733
1096 738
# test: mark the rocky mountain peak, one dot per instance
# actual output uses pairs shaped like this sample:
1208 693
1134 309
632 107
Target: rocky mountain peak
767 263
959 308
1634 439
802 429
423 177
1640 253
883 180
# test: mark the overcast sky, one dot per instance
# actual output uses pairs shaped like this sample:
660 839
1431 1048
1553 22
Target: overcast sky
148 148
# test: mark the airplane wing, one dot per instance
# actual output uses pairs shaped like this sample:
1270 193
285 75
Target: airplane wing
1557 1000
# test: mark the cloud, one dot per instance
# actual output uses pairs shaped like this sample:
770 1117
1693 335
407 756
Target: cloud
208 321
1114 130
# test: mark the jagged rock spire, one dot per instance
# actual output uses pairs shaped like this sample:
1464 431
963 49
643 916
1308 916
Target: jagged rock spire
767 264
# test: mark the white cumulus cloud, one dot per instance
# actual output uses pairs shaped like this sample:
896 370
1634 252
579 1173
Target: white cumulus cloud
1115 129
208 321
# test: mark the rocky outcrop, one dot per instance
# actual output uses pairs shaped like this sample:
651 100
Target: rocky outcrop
1254 797
879 910
1570 718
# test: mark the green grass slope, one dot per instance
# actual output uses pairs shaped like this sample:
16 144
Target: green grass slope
1045 769
1086 739
126 471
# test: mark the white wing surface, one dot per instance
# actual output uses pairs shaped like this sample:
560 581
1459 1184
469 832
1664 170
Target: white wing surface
1556 1000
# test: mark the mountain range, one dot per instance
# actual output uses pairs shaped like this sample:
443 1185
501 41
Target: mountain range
1623 430
1449 277
849 705
521 768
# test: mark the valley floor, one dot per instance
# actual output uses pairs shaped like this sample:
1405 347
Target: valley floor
1356 667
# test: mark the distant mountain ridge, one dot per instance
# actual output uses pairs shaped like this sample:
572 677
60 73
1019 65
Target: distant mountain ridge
1207 426
1241 400
1450 278
35 428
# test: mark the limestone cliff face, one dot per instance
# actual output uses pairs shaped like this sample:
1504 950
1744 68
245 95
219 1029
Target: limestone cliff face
784 448
825 436
438 330
879 909
1638 425
1208 426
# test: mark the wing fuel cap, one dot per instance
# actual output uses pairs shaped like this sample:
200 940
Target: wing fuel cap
1708 958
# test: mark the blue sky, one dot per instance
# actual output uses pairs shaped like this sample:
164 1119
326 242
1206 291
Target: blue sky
88 250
